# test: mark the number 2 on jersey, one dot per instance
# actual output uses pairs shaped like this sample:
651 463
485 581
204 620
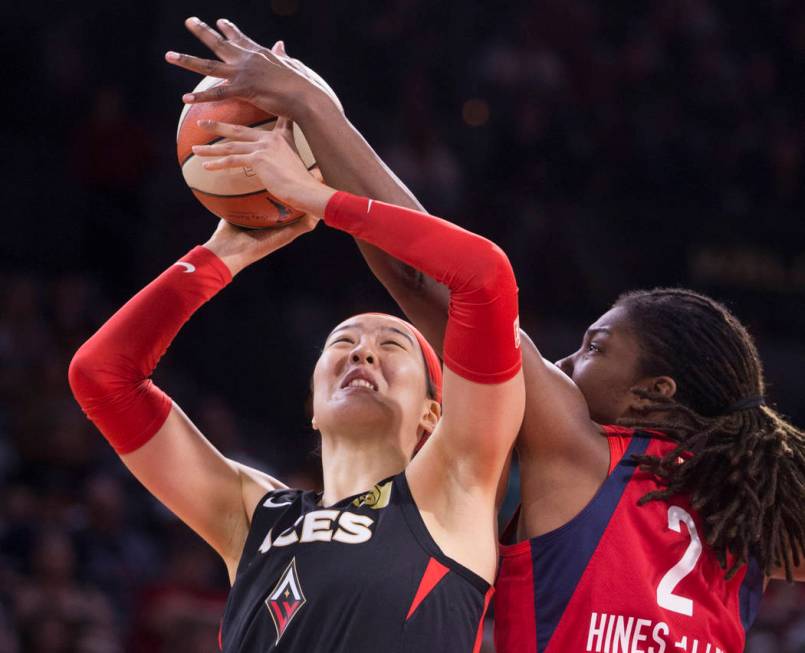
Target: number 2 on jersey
665 590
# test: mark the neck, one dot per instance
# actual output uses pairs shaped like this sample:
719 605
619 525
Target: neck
353 466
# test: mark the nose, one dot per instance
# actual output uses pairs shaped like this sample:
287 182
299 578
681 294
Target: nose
362 354
566 365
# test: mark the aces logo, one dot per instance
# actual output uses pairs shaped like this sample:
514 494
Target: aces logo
286 599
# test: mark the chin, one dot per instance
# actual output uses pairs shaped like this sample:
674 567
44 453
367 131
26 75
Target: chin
360 413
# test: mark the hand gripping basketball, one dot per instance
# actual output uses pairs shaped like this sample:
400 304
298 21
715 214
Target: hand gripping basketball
266 78
273 158
248 85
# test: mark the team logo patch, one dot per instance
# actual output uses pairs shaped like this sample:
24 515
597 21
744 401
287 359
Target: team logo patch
377 498
286 599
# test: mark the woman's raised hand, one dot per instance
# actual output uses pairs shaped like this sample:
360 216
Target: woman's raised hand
272 156
239 247
267 78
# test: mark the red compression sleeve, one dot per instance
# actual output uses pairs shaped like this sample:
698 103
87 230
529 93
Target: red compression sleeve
482 339
109 374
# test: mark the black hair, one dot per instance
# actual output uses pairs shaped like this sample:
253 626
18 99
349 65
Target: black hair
740 463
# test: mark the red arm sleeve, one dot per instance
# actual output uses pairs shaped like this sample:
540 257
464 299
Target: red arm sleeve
482 340
109 374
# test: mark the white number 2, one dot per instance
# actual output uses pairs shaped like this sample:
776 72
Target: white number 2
665 590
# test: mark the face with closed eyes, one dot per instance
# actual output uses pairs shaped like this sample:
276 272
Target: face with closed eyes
371 378
607 366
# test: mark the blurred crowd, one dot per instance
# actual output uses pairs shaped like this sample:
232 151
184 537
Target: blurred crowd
604 146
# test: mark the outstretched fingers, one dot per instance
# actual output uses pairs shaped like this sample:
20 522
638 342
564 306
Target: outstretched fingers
213 94
227 130
231 161
223 48
233 33
223 149
202 66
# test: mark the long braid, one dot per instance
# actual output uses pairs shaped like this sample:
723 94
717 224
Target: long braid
742 468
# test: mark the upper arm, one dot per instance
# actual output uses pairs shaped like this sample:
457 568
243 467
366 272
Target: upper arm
557 420
563 456
471 444
454 478
213 495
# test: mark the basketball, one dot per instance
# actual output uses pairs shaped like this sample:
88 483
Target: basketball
236 195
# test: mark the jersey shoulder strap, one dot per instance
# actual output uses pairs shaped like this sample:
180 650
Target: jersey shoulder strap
275 511
619 438
416 526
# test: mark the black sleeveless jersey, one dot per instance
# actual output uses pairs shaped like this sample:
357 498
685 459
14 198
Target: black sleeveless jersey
361 576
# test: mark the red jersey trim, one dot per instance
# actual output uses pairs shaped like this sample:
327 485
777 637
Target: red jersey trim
479 636
618 439
434 572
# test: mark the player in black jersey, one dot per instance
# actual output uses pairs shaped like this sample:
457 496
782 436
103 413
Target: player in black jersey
395 554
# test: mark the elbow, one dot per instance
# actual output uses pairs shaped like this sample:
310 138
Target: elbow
495 275
79 374
84 375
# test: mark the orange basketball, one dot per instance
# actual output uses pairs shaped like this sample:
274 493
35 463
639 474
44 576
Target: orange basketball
237 195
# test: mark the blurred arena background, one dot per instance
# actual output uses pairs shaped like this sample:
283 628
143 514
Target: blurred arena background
605 146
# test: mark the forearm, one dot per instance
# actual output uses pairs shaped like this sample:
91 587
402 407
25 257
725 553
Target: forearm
349 163
483 291
110 373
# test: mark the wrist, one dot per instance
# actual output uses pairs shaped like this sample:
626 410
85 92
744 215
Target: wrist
315 107
312 198
228 255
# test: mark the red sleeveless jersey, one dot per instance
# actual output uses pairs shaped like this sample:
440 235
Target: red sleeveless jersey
623 578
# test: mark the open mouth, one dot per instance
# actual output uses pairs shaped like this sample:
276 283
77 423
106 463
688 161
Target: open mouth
359 379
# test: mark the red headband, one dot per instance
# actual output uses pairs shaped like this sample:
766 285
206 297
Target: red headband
432 362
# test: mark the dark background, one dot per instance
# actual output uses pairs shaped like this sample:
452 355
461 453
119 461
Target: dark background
604 146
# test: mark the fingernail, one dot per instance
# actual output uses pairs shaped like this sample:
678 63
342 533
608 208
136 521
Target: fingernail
172 56
195 19
188 97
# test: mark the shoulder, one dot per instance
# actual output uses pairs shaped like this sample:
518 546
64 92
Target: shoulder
255 485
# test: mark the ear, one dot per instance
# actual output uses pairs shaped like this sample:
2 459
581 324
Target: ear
662 385
431 413
314 425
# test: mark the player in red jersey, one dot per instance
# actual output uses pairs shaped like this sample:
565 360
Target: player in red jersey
610 558
394 554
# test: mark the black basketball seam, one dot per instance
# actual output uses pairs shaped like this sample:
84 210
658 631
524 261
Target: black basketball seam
203 192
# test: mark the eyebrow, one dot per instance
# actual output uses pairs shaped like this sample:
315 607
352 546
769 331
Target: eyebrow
592 331
401 332
358 325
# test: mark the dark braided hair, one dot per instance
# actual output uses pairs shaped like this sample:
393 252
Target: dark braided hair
740 463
